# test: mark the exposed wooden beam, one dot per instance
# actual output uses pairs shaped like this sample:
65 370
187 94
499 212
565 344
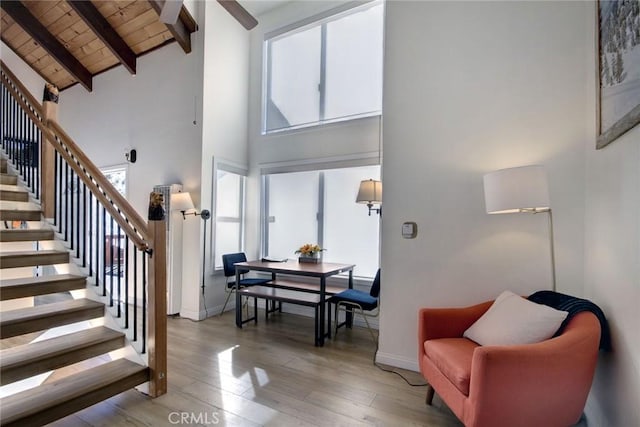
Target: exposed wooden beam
40 34
239 13
179 30
100 26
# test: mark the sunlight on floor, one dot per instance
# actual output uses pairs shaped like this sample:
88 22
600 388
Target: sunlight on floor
254 377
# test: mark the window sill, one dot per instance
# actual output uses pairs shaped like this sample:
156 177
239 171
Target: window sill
320 125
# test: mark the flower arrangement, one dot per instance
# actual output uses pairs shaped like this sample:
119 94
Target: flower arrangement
309 250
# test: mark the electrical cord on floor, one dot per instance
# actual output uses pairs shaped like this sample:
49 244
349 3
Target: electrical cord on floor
377 365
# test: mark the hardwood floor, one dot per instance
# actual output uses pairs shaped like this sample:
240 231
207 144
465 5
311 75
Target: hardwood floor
270 374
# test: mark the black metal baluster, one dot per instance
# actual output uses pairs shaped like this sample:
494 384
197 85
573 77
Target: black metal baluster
32 143
78 225
71 225
144 302
29 147
21 148
67 192
84 225
90 216
97 243
135 294
112 260
57 188
104 252
28 150
38 151
119 300
126 281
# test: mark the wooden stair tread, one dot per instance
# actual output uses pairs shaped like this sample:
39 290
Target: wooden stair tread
31 319
13 193
8 179
42 285
20 214
26 235
51 401
31 359
32 258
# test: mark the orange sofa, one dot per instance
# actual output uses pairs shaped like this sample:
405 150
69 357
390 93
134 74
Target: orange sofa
542 384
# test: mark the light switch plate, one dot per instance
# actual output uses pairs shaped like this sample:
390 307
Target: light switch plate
409 230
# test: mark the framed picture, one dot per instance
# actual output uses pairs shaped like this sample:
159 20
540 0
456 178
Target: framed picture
618 44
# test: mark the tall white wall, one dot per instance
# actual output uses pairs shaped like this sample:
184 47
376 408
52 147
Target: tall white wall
29 78
159 113
469 88
225 117
612 262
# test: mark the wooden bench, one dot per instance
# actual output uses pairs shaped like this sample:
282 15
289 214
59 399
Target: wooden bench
270 293
304 287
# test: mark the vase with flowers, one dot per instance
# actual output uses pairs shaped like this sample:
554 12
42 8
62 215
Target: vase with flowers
311 253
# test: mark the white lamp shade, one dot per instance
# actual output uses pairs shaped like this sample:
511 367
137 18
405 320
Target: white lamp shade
511 190
370 192
181 202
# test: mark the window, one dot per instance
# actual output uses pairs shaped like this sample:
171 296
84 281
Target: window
323 211
114 246
326 71
229 231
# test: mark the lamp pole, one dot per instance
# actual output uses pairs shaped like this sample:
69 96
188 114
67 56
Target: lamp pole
552 251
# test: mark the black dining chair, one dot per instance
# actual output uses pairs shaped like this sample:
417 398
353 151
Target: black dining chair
228 261
365 304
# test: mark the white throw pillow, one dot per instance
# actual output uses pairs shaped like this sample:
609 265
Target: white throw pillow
514 320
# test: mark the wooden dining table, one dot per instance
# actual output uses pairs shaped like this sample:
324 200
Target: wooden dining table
320 272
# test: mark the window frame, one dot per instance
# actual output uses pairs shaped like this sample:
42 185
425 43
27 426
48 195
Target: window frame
242 173
320 20
320 217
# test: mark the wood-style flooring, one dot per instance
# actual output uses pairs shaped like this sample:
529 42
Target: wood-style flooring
270 374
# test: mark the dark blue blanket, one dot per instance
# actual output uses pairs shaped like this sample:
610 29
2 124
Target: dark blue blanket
574 306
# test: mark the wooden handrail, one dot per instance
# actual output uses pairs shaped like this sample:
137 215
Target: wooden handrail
117 206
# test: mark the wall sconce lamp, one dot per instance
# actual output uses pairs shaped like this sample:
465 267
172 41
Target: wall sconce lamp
182 202
522 189
370 193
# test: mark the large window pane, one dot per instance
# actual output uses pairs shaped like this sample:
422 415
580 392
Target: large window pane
229 214
294 78
350 235
228 194
293 206
354 64
330 70
227 240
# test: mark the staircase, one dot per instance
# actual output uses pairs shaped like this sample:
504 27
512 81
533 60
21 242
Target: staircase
50 400
82 274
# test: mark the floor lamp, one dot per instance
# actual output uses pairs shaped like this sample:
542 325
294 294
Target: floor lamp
182 202
523 189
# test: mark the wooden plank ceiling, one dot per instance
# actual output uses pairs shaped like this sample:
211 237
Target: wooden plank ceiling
69 42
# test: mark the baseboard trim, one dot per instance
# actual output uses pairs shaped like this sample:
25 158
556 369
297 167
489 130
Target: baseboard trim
397 361
192 314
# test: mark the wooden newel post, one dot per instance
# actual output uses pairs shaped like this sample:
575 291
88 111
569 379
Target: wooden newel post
48 153
157 297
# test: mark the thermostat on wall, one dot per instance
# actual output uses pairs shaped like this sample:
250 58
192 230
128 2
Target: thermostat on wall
409 230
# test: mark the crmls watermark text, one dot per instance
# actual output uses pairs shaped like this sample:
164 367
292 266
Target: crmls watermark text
193 418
